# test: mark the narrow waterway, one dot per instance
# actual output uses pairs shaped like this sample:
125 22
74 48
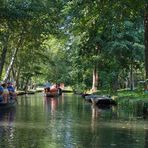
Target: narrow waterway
70 122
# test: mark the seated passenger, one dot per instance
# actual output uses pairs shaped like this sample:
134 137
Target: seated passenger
53 88
1 93
11 90
5 92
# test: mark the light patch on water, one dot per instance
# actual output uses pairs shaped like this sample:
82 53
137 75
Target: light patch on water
123 125
27 125
95 123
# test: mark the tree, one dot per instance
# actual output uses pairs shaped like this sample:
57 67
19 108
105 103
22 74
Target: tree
102 25
31 23
146 38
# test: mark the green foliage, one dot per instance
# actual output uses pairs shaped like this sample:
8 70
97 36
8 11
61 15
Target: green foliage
117 32
134 95
64 40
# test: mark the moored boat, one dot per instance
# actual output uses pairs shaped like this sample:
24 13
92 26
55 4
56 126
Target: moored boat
100 100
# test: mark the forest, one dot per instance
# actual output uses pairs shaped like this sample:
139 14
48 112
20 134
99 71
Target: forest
85 44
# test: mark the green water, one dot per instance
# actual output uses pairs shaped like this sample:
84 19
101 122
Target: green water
70 122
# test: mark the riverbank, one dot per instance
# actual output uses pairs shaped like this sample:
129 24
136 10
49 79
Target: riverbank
19 92
123 94
41 89
128 98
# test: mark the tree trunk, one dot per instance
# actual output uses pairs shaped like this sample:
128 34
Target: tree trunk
131 80
115 84
10 65
26 85
3 56
12 59
13 74
97 51
17 78
95 79
146 39
131 72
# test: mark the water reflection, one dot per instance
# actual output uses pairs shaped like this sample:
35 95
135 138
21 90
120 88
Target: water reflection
51 104
146 139
95 114
102 113
7 128
133 108
68 122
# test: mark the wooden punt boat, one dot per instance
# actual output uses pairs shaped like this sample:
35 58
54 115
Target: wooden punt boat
51 94
100 100
54 93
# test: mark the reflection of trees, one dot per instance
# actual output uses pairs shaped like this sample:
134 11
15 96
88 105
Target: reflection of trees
146 139
50 104
73 123
33 118
47 104
130 109
95 114
7 129
54 103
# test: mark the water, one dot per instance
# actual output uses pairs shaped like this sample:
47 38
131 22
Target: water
70 122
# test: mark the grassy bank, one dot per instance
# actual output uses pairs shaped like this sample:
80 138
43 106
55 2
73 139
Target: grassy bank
125 94
121 94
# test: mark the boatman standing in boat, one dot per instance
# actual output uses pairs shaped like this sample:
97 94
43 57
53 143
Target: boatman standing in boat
47 86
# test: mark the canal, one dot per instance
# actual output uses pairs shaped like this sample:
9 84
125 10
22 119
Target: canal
70 122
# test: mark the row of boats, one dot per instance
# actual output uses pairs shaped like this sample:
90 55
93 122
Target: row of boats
53 91
101 101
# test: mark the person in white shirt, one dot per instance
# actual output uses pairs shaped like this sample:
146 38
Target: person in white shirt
5 92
